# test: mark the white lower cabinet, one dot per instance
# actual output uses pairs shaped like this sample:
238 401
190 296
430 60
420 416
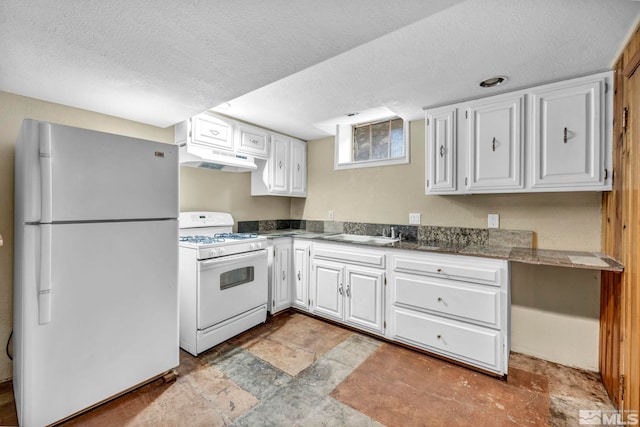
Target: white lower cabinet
345 291
301 256
452 305
280 275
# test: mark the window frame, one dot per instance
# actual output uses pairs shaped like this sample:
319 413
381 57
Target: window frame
344 146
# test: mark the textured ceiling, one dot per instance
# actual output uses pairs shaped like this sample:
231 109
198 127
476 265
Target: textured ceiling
290 65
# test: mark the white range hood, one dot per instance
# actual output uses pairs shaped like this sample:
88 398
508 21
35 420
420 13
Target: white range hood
200 157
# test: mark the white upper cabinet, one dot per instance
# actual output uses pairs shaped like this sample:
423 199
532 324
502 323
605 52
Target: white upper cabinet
568 135
252 141
298 168
555 137
496 139
284 173
212 131
441 129
279 169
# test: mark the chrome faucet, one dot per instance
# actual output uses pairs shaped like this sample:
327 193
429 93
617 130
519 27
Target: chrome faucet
393 232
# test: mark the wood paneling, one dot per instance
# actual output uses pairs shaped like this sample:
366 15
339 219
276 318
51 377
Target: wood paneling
620 293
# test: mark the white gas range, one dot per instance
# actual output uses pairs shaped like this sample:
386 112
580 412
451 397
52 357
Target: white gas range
223 280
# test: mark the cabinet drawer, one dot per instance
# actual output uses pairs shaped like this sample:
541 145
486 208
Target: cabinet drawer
471 344
212 132
467 302
253 141
469 269
348 255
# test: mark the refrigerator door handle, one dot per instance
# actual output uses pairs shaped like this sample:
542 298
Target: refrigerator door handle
44 287
46 177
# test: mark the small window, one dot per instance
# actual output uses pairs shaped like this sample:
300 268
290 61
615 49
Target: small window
381 142
378 140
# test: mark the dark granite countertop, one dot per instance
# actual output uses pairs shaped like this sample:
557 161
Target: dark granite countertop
560 258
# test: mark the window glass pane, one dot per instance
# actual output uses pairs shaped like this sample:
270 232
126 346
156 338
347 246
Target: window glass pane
397 139
380 140
361 143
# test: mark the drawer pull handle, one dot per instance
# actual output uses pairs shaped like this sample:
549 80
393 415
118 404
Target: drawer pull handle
299 276
439 336
565 135
284 275
253 141
442 151
493 145
340 291
280 164
439 299
214 132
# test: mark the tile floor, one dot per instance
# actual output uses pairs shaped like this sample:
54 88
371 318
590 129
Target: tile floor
299 371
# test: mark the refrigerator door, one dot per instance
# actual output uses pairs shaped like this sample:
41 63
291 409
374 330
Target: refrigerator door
96 313
72 174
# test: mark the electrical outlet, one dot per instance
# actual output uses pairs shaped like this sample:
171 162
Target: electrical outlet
330 215
493 221
415 218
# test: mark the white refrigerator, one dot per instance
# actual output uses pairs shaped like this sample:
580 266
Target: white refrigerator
96 268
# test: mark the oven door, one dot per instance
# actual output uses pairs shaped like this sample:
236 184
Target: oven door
231 285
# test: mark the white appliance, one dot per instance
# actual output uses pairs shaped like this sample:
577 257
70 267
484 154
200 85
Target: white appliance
95 290
223 280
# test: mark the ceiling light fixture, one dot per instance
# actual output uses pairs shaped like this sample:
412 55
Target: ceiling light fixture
493 81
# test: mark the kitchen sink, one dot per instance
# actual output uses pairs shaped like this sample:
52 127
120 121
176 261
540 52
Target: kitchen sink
357 238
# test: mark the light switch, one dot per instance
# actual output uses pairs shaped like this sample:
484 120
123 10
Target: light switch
493 221
330 215
415 218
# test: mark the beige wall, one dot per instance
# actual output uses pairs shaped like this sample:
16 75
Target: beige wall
545 321
204 189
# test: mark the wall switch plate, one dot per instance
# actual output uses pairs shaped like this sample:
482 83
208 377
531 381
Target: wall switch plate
330 215
415 218
493 221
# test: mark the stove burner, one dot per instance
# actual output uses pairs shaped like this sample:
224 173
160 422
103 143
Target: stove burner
202 239
236 236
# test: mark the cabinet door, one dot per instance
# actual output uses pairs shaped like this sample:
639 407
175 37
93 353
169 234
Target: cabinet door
328 286
441 150
210 131
279 182
568 135
298 168
281 279
495 135
364 297
252 141
300 297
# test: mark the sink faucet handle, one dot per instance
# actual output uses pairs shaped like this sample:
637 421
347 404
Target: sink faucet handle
384 232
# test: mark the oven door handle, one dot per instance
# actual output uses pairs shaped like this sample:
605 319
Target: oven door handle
244 256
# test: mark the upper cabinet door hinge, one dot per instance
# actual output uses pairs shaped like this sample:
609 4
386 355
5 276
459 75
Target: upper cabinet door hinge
625 119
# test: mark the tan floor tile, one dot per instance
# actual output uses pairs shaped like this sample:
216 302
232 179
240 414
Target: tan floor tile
289 359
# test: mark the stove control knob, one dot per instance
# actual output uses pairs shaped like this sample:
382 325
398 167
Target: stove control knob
259 245
222 251
213 252
252 246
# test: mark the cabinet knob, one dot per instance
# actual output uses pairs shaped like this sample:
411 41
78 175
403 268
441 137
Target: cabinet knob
439 336
439 270
439 299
